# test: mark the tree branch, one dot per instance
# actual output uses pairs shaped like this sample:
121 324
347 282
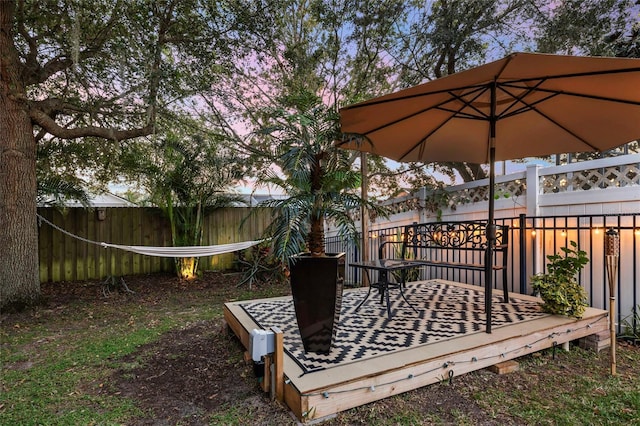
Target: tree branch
35 74
43 120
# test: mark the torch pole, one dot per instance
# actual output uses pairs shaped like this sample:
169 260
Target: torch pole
612 252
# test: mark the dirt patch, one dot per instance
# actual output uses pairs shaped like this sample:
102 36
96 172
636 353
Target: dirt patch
187 375
190 376
196 374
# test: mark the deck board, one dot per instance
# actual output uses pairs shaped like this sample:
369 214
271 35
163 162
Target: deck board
328 391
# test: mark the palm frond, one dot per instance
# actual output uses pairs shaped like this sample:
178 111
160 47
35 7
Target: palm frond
318 179
55 191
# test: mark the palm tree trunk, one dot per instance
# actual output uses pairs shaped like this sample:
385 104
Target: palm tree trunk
316 237
316 233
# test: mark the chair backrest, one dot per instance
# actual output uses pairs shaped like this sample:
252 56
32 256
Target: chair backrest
460 235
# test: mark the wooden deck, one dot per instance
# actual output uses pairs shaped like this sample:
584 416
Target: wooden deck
431 348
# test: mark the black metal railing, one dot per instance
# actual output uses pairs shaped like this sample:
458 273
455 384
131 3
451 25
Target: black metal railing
532 239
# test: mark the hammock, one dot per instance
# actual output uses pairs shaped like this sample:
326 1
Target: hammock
191 251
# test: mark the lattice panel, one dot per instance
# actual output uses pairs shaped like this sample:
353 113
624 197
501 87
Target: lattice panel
585 180
512 188
402 206
407 205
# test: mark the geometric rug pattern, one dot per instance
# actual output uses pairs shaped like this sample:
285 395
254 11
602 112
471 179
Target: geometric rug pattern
443 312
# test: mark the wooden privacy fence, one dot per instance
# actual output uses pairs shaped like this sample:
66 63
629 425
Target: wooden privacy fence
65 258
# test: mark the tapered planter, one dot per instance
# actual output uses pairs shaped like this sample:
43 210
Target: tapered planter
316 286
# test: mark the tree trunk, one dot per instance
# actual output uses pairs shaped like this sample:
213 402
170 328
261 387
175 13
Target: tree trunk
19 281
316 237
468 172
316 233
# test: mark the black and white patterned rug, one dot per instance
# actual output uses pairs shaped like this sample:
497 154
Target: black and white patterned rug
444 312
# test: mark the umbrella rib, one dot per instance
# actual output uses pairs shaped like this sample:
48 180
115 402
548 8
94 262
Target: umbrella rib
353 137
519 99
532 107
375 129
454 114
525 108
469 103
551 94
425 138
584 95
406 117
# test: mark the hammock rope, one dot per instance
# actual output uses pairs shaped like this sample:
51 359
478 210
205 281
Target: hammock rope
189 251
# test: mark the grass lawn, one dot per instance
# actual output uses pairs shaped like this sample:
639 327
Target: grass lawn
160 356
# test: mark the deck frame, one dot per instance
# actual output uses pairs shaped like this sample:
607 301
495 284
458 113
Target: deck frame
323 393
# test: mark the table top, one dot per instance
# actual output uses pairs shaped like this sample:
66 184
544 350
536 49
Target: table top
386 264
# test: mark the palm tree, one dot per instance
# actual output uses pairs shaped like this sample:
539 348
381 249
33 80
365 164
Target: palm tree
56 186
55 191
321 185
317 178
186 176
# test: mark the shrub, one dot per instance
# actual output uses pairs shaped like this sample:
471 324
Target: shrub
559 288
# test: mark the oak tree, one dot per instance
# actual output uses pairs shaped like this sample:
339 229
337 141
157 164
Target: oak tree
102 72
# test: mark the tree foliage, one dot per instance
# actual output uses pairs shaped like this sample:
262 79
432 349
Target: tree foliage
187 175
583 27
337 51
96 71
317 177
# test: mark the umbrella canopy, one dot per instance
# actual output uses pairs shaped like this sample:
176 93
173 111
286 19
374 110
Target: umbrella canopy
524 105
544 104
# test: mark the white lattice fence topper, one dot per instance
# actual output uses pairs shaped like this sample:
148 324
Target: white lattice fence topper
509 189
585 180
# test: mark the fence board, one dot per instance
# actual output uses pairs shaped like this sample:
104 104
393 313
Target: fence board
64 258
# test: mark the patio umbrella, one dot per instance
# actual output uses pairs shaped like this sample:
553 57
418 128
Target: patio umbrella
524 105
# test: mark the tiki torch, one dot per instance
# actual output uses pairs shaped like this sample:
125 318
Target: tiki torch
612 252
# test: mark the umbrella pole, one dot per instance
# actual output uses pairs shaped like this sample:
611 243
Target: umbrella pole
364 214
491 229
491 238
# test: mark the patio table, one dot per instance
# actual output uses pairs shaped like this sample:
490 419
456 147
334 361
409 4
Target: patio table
383 285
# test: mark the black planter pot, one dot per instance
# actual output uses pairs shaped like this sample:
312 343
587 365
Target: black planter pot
316 286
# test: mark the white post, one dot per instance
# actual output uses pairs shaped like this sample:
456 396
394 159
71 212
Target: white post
422 195
533 189
533 209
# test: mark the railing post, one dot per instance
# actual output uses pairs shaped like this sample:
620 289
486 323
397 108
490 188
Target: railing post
523 253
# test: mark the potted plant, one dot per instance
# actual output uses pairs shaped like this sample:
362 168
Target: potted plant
559 288
320 185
